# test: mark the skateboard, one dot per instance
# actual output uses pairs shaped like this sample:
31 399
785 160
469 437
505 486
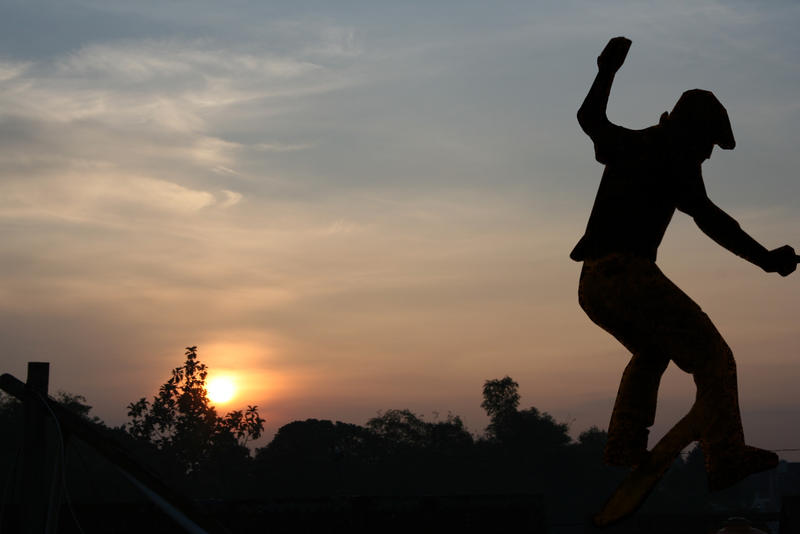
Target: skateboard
635 488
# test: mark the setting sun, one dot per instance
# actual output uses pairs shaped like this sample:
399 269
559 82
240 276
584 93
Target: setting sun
221 389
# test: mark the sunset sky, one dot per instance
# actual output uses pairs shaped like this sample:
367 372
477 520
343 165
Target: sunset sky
356 206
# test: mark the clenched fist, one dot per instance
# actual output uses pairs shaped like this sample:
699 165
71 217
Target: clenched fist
613 55
782 260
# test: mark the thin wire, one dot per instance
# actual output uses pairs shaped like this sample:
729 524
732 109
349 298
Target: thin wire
63 462
167 507
8 484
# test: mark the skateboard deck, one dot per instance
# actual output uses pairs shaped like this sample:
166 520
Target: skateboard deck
635 488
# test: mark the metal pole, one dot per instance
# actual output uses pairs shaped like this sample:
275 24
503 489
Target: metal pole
35 480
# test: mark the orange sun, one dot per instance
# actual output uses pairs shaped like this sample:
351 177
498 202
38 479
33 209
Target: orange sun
221 389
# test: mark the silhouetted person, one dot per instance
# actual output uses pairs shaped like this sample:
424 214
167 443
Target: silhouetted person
649 173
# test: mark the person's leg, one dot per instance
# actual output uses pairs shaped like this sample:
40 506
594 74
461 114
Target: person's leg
727 458
717 397
634 410
605 297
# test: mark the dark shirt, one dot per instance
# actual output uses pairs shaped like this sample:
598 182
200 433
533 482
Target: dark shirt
645 179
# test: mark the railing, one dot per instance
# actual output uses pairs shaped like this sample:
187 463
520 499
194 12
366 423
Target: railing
42 494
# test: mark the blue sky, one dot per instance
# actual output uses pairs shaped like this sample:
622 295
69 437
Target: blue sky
356 206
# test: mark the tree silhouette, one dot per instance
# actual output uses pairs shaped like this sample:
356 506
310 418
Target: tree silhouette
181 420
500 397
316 440
500 400
405 429
77 404
524 429
400 428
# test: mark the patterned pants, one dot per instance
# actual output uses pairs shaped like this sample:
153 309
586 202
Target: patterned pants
630 298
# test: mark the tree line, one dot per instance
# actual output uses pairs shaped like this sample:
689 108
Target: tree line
182 437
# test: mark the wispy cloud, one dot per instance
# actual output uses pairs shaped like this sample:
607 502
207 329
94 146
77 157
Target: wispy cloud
137 123
99 198
11 69
281 147
231 198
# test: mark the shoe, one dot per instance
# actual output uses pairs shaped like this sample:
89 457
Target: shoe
725 471
627 448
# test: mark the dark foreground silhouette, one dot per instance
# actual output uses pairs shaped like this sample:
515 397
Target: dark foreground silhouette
648 175
398 473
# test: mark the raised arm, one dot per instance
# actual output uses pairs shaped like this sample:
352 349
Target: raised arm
592 113
724 229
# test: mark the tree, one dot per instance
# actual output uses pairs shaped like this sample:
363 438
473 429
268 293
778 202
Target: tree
77 405
402 429
500 396
500 400
315 440
181 420
10 407
594 440
524 429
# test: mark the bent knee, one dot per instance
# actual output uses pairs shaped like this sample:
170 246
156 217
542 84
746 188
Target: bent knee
711 359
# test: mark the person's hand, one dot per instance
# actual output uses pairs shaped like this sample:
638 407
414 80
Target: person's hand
613 55
782 260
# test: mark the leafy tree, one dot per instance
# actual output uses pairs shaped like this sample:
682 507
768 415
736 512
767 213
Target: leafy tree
11 419
451 433
181 420
500 400
401 428
519 428
77 404
593 439
500 396
315 439
9 406
315 457
405 429
539 429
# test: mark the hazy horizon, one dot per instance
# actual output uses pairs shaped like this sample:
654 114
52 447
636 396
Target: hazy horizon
368 206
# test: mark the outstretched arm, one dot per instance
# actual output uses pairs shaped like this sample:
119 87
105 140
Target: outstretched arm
724 229
592 114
